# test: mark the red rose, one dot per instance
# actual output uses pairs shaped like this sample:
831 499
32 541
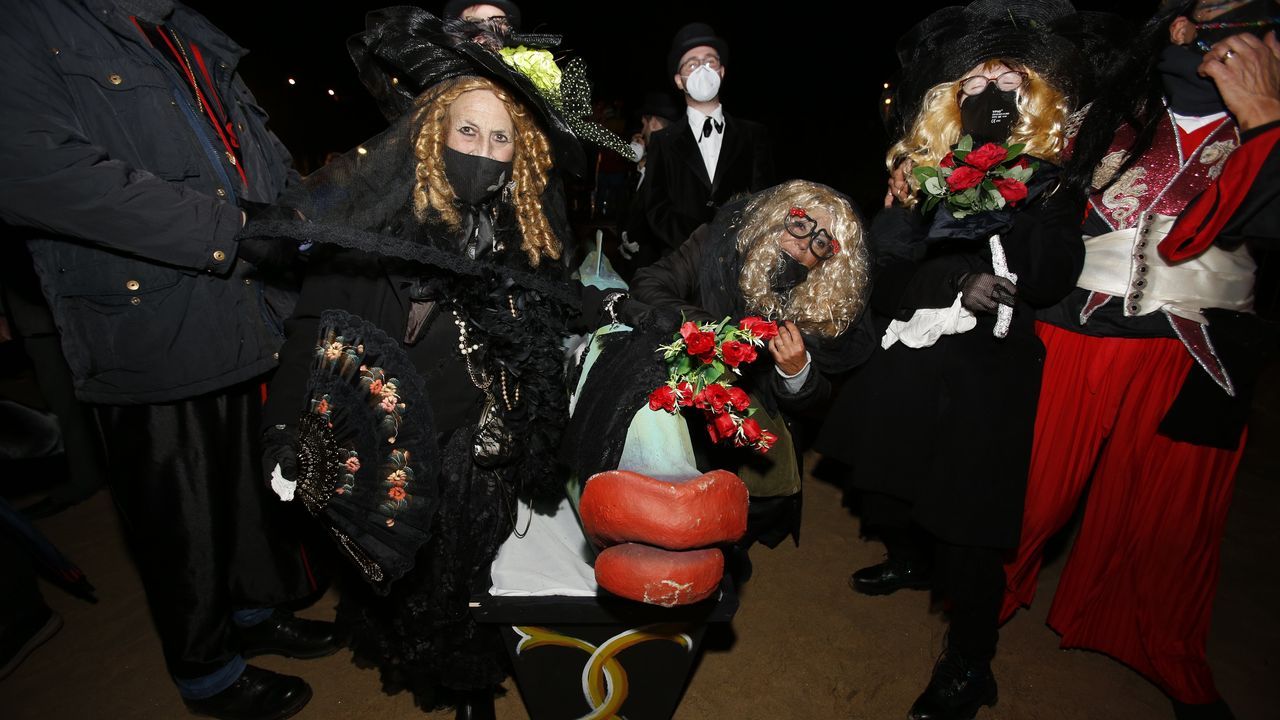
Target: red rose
684 394
759 328
948 161
751 430
736 353
987 156
701 345
739 398
663 398
963 178
1011 190
721 426
1022 162
687 329
767 439
715 397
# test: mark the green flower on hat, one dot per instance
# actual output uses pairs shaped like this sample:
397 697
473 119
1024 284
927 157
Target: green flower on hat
537 65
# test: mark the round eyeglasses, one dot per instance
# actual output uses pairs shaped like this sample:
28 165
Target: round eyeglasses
977 84
688 66
802 227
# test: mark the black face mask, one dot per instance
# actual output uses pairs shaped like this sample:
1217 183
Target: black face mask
788 273
474 178
989 115
1188 93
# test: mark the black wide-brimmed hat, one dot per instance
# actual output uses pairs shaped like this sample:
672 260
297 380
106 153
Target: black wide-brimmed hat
1048 36
405 50
691 36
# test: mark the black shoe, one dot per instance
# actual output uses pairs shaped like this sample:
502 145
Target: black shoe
18 641
477 705
890 576
284 634
956 690
256 695
1216 710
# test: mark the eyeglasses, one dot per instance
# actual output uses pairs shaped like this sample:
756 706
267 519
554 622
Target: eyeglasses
977 84
802 227
688 66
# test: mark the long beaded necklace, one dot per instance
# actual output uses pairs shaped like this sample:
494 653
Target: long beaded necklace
483 382
480 378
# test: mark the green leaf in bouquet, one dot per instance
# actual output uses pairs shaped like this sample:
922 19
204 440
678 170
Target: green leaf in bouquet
965 144
931 202
1016 149
935 186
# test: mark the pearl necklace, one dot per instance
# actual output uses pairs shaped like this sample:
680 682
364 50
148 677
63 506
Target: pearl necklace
479 378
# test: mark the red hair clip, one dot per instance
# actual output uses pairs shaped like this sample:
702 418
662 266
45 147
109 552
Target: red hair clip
797 212
835 246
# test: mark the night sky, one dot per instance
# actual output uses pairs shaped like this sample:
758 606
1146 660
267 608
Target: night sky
813 77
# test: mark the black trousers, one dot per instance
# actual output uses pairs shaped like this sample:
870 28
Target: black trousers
207 534
970 578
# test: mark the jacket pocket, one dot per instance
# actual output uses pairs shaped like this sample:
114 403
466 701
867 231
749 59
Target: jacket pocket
121 317
131 109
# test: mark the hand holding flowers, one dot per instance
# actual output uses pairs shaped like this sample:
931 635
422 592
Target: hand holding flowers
703 361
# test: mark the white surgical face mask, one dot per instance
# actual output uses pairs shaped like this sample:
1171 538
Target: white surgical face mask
637 149
702 84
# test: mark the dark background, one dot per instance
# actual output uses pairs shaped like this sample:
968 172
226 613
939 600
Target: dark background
812 72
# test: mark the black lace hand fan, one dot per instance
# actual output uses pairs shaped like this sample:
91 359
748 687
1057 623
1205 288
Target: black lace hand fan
367 455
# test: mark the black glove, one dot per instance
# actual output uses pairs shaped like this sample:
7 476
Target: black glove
268 251
279 447
983 292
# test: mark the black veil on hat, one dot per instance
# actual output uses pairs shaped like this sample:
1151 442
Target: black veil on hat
1069 48
405 50
454 8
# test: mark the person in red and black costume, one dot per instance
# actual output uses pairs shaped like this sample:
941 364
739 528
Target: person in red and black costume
1151 360
128 148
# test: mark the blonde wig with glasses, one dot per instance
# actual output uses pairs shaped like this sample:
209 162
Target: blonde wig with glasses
834 292
1041 126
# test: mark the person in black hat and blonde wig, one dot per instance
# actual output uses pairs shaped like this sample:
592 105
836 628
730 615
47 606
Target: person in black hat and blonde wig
937 425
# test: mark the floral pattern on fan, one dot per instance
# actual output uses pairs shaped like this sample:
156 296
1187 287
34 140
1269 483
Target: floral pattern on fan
383 396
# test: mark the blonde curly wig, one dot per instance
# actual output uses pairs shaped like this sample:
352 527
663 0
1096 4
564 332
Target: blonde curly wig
1043 112
530 172
834 292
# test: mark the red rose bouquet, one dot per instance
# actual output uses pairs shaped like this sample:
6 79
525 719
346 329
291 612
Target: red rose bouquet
702 362
970 181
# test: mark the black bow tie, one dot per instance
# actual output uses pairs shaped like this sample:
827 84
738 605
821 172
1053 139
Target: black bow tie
709 125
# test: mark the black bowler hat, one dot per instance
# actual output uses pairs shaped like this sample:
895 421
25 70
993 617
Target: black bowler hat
691 36
454 8
660 104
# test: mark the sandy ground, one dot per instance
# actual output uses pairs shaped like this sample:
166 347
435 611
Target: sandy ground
802 645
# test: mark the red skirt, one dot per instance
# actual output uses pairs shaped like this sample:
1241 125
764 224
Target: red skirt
1140 580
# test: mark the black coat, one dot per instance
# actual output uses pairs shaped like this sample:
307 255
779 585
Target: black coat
111 176
678 196
949 427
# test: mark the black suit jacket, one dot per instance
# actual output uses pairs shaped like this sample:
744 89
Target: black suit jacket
678 196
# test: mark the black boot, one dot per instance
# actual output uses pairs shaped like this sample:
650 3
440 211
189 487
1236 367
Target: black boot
256 695
956 690
476 705
891 576
1216 710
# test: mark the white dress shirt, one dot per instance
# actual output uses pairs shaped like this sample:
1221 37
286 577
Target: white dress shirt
709 146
